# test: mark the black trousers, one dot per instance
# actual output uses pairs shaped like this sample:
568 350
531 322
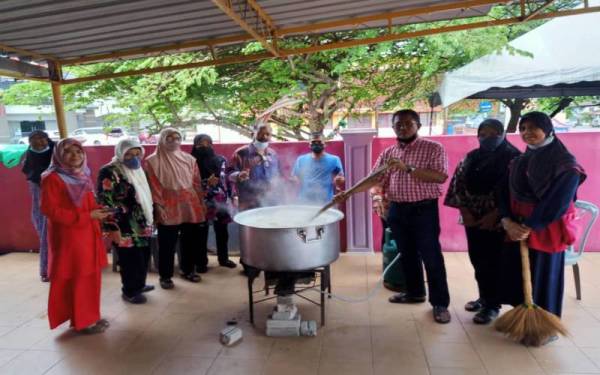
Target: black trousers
416 229
485 253
222 238
133 265
188 234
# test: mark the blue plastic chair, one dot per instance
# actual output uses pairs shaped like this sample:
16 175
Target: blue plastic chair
572 255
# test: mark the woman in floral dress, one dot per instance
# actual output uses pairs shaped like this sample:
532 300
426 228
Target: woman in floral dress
122 186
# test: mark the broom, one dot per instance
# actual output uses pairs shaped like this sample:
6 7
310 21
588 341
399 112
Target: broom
529 323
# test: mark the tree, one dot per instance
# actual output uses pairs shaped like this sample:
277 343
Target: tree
28 93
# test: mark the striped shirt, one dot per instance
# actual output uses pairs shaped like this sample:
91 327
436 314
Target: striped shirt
400 186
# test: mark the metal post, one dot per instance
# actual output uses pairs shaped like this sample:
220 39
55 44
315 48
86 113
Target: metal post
59 109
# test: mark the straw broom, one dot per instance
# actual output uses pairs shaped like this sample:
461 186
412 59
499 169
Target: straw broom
529 323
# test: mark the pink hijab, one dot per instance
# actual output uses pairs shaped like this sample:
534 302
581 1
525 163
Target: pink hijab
174 169
78 179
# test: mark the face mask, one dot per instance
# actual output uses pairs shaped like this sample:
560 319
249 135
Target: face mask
261 146
317 148
546 142
133 163
490 143
172 146
204 151
39 151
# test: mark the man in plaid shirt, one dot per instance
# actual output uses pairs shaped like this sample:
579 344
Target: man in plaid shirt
411 188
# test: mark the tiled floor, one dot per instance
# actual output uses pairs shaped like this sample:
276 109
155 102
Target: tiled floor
177 331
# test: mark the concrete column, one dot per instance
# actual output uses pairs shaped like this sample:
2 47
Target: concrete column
357 158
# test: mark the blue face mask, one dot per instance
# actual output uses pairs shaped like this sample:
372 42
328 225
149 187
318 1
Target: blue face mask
490 143
133 163
261 146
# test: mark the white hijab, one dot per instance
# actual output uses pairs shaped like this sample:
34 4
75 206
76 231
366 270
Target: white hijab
136 177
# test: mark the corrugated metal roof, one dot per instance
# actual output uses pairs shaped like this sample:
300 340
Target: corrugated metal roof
75 28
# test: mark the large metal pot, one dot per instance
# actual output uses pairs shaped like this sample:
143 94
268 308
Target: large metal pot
286 238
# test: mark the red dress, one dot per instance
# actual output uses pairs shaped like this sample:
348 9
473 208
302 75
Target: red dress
76 256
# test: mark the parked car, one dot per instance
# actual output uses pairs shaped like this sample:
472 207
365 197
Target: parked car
98 136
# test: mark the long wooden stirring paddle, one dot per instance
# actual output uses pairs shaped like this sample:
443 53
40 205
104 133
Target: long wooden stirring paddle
377 173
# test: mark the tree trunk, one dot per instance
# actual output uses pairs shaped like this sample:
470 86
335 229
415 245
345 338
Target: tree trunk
515 106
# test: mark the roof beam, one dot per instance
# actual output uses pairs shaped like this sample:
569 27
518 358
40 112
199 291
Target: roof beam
337 45
222 61
387 16
538 10
312 28
25 53
153 51
22 70
247 11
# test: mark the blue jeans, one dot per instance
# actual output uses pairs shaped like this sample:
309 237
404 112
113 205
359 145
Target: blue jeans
416 230
40 224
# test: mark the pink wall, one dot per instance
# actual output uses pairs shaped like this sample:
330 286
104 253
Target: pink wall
17 234
584 146
16 230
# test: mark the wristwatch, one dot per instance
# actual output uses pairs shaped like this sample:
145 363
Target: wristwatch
410 168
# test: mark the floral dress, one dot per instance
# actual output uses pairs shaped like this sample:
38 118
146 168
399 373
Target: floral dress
115 191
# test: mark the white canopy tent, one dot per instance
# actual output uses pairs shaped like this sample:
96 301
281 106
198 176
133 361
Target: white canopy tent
566 57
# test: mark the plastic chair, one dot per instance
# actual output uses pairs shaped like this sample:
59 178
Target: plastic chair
572 254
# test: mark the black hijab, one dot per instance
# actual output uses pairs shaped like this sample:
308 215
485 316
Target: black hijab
533 173
484 169
208 161
37 162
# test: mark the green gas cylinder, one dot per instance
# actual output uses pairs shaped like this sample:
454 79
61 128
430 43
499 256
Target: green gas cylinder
394 279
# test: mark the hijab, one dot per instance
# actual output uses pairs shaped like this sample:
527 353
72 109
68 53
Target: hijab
37 162
136 177
77 179
484 167
534 172
173 168
208 161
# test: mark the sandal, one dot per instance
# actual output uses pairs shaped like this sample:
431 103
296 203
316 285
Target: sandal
441 315
192 277
405 298
485 316
92 330
167 284
103 322
228 264
474 306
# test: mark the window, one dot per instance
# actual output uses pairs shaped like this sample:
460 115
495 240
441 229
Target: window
29 126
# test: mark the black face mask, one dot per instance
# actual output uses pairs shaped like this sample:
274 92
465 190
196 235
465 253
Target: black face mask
317 148
407 140
204 151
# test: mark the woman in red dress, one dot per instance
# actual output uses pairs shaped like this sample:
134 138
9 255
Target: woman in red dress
77 253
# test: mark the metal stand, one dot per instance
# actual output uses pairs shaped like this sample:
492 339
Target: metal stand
324 285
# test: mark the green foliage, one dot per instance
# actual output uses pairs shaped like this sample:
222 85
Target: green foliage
28 93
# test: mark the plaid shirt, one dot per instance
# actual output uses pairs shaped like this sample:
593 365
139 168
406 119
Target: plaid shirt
400 186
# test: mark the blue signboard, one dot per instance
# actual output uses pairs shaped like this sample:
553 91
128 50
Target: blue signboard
485 106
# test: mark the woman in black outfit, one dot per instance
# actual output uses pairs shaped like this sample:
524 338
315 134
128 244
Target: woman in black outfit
212 169
475 190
